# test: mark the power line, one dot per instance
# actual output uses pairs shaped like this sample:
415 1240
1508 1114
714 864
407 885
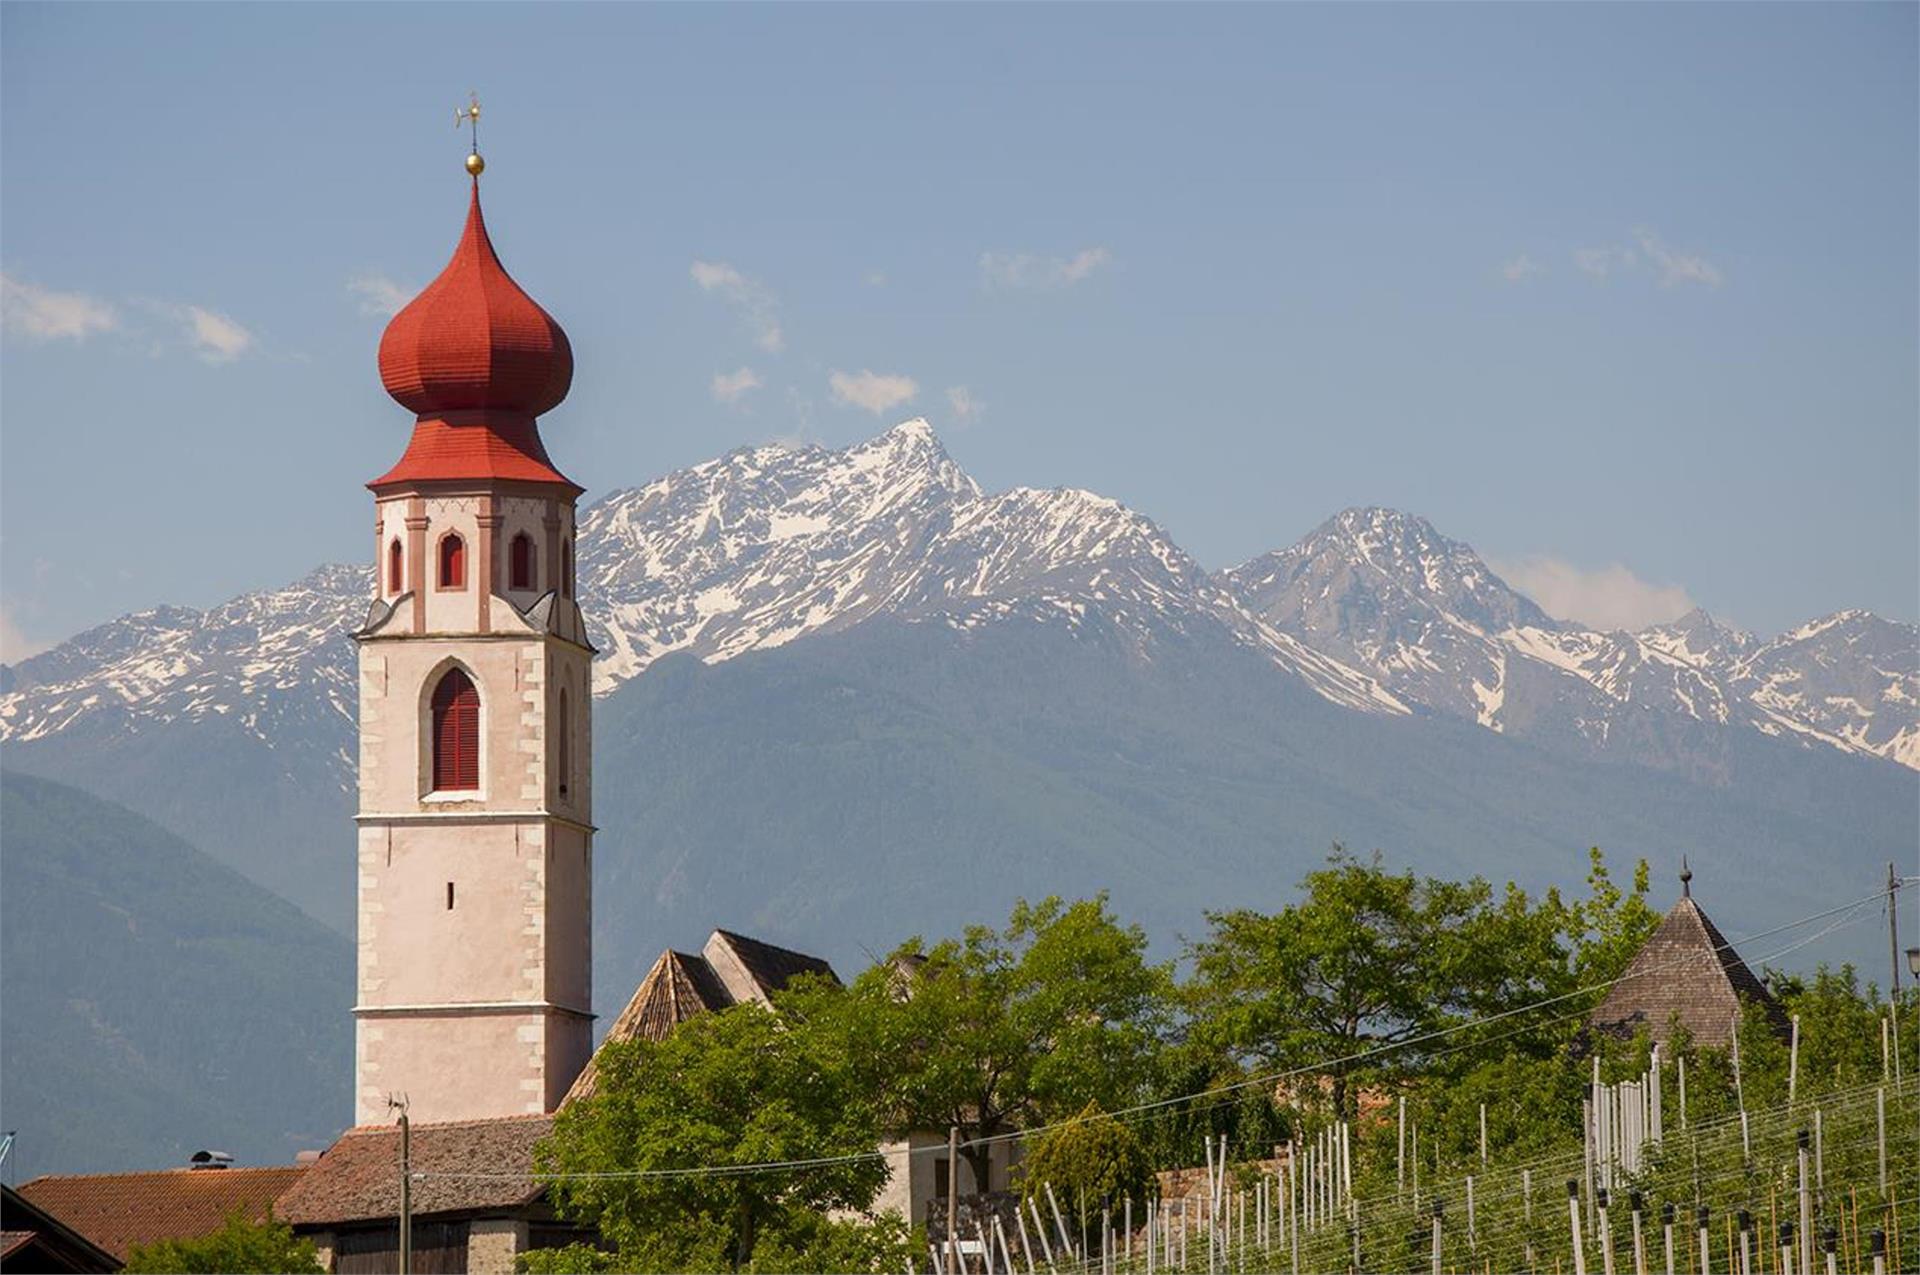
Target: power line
1133 1113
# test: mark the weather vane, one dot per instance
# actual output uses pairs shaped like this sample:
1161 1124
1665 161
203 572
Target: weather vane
470 116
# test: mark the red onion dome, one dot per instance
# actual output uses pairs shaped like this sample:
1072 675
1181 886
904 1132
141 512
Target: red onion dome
474 341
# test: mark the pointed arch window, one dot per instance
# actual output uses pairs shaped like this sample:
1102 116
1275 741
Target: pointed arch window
456 734
396 567
520 562
453 561
563 726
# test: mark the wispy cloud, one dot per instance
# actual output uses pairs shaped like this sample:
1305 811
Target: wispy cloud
731 387
1677 267
1029 270
213 336
966 408
874 391
876 278
757 305
1647 249
42 314
379 295
1603 262
1606 598
14 644
1520 269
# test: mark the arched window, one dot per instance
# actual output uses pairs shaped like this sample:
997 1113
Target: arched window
456 734
564 726
453 562
566 567
520 562
396 567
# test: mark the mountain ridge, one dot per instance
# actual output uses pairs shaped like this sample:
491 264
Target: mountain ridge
234 726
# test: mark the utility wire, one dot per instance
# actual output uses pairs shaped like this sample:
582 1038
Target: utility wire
1140 1110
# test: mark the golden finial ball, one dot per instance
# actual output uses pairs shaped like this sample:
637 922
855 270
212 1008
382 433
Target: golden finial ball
475 164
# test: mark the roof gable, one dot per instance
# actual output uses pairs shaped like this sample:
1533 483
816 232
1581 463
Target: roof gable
1685 969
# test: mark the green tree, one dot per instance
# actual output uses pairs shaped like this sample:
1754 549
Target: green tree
239 1245
733 1088
1091 1161
1368 959
1001 1029
1610 925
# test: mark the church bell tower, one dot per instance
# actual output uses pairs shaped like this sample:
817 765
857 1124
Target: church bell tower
476 797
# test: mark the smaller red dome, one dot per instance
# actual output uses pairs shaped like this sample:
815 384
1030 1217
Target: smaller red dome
473 341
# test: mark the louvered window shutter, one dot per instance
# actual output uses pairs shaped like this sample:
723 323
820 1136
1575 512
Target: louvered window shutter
456 734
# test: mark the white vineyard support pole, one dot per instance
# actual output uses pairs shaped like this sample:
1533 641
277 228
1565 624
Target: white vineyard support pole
1573 1221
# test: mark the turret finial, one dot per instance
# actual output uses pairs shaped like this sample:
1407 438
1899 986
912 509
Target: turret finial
1686 879
470 116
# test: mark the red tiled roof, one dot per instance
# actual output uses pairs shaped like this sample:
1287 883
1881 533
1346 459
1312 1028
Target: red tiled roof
474 339
474 445
358 1178
10 1240
118 1210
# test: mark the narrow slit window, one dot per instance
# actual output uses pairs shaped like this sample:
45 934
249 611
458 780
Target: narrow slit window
564 728
520 562
566 568
453 562
396 566
449 896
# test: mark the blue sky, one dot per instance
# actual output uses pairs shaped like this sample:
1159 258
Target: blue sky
1592 287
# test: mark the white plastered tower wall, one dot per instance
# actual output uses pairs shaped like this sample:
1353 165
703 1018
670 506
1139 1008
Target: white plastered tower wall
474 906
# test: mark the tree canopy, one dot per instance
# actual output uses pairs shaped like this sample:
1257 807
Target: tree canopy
240 1245
725 1090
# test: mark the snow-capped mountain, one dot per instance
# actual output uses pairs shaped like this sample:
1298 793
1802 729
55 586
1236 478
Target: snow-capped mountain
1386 593
1375 611
274 663
768 544
746 552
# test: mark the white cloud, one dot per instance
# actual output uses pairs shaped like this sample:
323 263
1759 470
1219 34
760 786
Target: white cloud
1027 270
1669 266
1605 598
730 387
41 314
214 337
1520 269
966 408
1604 261
874 391
1677 267
15 645
756 304
379 295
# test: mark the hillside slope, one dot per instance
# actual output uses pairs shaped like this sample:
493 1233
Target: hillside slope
156 1001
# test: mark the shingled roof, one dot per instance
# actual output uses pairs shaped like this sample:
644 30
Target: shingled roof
115 1211
358 1178
731 969
1686 971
